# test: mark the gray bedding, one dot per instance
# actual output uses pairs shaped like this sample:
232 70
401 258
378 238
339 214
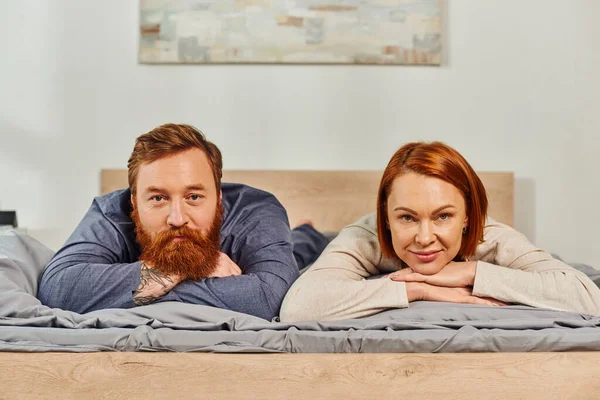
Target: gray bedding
27 325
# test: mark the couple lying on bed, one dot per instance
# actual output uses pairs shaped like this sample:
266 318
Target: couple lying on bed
179 234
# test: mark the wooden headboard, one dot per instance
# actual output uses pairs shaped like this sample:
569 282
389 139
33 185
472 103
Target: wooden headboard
334 199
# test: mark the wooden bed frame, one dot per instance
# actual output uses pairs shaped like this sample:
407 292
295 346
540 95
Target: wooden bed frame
332 199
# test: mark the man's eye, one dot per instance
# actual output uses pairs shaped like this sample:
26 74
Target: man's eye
196 197
157 198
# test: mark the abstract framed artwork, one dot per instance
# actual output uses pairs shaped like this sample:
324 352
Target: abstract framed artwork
291 31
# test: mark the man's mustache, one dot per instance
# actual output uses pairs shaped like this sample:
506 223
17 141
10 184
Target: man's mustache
193 235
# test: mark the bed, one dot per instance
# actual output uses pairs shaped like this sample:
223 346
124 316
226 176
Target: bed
429 350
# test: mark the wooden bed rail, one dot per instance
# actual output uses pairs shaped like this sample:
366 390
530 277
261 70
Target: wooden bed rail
312 376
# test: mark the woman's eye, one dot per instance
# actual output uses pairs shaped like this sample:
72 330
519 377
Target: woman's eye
444 217
406 218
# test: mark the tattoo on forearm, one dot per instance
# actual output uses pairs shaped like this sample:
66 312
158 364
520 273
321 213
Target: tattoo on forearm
147 291
143 300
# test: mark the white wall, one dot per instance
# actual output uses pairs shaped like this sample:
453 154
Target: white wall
520 91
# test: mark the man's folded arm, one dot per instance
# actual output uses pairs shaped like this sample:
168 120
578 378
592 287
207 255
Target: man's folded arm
263 250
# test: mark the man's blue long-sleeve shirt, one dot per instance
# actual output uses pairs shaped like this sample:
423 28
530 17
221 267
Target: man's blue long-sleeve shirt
98 266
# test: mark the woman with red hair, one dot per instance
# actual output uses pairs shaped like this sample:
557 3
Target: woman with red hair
431 240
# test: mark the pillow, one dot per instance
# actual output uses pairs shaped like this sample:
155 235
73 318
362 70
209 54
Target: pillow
22 259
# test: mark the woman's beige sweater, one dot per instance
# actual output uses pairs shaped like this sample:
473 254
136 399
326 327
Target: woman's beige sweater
509 268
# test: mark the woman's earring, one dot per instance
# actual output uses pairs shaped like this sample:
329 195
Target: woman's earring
465 230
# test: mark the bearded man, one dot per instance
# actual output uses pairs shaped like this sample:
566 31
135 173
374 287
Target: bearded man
179 234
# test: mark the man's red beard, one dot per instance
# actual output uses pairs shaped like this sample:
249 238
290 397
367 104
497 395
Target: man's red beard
195 257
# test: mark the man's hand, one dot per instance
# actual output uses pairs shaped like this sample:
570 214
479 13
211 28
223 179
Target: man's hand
153 284
424 291
225 267
454 275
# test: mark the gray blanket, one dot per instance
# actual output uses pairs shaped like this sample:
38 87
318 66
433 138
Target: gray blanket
27 325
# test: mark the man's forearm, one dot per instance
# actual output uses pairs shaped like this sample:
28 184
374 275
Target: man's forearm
255 294
153 285
84 287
